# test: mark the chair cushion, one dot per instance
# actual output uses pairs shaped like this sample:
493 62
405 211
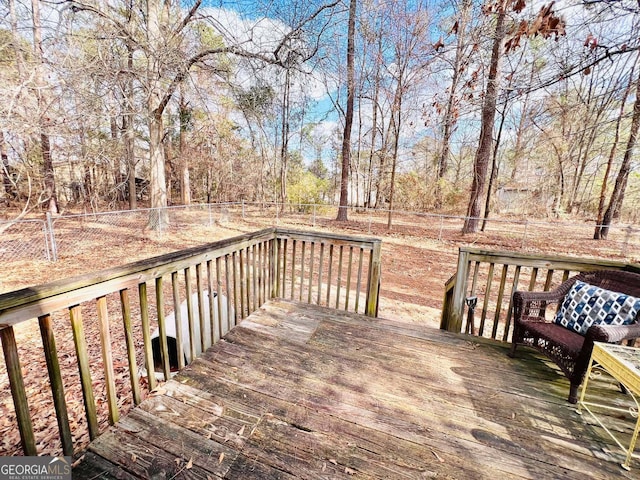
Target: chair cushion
587 305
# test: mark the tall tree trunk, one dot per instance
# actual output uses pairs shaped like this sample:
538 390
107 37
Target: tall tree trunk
185 182
374 122
450 116
483 154
45 145
396 118
617 195
284 143
493 176
129 132
156 103
348 120
597 234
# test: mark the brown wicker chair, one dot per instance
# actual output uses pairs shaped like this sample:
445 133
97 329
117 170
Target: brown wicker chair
570 350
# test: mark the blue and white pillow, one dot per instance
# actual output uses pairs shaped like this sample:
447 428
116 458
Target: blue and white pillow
587 305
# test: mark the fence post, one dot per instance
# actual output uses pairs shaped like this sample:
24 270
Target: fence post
314 214
243 209
52 238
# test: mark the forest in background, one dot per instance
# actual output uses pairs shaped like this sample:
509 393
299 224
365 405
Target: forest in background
422 105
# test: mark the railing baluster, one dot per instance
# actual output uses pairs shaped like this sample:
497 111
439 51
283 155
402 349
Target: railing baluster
320 266
275 258
260 273
548 280
271 271
293 267
339 283
215 333
487 295
146 335
474 282
248 280
496 318
75 315
162 327
107 359
255 277
534 277
191 324
265 271
304 245
219 283
348 289
311 262
234 265
514 287
14 371
243 274
284 269
228 325
329 275
359 283
57 386
131 348
175 288
203 338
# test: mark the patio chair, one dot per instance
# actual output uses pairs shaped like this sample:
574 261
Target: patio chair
568 338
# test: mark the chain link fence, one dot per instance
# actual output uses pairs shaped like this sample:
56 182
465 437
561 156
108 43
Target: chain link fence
25 240
69 235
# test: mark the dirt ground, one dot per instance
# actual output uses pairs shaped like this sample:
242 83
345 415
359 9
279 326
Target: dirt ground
418 257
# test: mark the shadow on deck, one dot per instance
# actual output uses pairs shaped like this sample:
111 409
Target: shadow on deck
300 391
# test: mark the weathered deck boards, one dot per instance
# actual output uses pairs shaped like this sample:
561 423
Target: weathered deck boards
298 391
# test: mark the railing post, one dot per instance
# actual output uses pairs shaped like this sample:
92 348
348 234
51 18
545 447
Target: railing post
373 289
454 322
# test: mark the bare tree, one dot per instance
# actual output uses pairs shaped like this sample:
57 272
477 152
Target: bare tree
483 154
546 24
617 195
158 38
348 119
463 50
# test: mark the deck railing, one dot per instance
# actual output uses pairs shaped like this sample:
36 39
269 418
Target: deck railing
478 297
210 289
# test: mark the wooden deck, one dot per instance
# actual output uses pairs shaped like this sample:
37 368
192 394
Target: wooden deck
298 391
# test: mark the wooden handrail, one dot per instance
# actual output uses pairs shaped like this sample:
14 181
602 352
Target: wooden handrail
477 274
246 270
